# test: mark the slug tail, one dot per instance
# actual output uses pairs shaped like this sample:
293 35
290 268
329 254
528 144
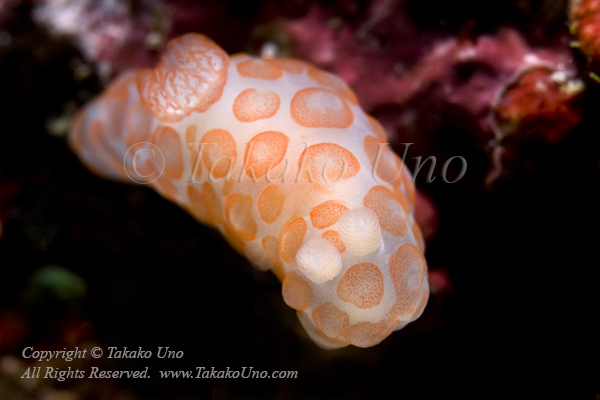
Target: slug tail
111 129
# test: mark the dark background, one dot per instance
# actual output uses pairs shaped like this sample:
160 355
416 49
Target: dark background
520 319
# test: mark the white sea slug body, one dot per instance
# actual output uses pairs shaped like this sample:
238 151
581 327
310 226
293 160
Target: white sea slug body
280 158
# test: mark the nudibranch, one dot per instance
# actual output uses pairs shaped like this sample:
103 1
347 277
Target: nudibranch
280 158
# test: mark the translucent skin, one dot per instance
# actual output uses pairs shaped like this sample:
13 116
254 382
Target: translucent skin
271 152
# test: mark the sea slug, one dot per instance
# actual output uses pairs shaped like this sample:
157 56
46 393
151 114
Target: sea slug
280 158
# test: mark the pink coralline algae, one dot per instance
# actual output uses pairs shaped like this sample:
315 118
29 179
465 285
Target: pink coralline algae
497 87
585 24
119 35
538 103
114 35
